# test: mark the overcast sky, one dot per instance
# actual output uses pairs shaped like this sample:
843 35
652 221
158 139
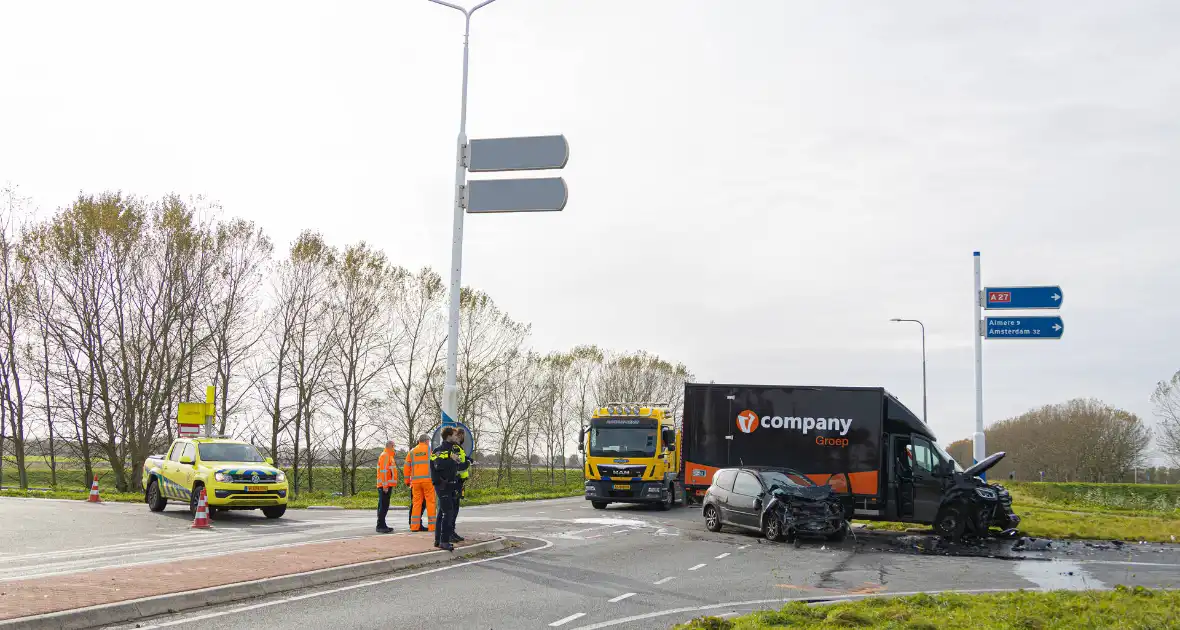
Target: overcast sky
756 187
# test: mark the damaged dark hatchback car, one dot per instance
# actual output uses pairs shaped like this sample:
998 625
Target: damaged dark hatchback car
780 503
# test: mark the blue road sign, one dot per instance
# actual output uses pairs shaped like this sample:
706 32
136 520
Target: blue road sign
1023 327
1022 297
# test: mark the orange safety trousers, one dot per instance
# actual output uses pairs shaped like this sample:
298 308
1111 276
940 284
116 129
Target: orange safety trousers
423 491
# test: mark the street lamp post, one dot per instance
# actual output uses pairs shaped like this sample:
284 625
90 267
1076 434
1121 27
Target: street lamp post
450 391
925 418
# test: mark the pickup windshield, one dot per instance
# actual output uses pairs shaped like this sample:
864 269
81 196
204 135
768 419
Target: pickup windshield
219 452
622 442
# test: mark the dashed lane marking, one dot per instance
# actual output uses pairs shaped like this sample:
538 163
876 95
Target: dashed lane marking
620 598
696 567
743 547
562 622
664 580
721 556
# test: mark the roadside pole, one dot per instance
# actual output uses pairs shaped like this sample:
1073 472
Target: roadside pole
979 438
1009 298
210 409
487 196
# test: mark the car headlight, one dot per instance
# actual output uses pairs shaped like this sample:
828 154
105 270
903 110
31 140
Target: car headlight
986 493
280 478
221 476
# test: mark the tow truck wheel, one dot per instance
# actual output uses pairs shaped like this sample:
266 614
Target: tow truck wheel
668 499
156 502
274 511
712 519
599 505
951 522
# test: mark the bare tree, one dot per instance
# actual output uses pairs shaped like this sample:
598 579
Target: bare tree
642 377
517 393
14 289
365 330
1166 399
419 351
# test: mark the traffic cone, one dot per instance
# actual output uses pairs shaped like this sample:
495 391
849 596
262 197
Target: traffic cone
202 519
94 492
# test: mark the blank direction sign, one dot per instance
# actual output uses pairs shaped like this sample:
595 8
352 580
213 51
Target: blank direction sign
531 153
544 194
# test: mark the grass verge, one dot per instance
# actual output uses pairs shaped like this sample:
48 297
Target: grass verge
1121 608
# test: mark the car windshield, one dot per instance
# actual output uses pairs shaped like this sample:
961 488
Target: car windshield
787 479
226 452
947 458
622 442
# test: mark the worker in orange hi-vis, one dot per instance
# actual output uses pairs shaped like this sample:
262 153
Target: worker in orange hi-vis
386 481
417 476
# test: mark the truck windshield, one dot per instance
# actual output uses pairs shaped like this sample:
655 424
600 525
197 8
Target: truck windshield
622 442
228 453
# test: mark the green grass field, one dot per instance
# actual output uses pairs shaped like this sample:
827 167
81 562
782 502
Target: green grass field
1123 608
1090 511
481 488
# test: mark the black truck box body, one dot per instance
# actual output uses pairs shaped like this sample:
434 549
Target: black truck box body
831 434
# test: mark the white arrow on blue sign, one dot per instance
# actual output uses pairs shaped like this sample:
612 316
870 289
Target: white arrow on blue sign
1023 327
1049 297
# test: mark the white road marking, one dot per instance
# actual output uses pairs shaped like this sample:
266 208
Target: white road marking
562 622
721 556
350 587
761 602
621 531
743 547
696 567
664 580
620 598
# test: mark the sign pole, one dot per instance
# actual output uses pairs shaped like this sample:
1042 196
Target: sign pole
980 447
210 401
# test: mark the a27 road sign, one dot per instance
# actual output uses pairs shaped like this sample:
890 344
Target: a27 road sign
1021 298
1016 327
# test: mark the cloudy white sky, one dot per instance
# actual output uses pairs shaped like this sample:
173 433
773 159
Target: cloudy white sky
756 187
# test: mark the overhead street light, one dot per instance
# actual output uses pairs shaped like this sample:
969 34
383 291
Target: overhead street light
925 418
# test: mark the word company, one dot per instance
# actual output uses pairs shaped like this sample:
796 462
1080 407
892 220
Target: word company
748 421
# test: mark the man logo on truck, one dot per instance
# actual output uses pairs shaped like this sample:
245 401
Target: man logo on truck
747 421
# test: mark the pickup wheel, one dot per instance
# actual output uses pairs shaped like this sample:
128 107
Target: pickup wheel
194 497
598 505
155 501
274 511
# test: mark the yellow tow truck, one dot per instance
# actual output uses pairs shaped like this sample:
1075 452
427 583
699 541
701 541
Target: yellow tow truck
234 475
632 455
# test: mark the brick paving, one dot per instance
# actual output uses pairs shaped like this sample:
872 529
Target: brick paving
21 598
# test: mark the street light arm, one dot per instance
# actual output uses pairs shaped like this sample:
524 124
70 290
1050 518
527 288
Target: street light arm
466 12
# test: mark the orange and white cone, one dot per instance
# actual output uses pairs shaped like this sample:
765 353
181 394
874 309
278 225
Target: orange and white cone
94 492
202 519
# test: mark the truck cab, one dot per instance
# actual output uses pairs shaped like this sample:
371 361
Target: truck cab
632 455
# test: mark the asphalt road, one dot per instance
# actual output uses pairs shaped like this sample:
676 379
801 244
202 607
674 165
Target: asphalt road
575 567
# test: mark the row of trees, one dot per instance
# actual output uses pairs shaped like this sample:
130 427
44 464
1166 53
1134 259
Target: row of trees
116 308
1080 440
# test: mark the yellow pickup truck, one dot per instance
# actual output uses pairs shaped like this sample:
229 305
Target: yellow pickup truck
235 477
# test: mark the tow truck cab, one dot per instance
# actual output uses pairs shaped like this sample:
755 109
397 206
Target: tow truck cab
632 455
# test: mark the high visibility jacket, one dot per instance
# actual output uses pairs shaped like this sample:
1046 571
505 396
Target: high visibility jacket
466 472
444 472
417 468
386 469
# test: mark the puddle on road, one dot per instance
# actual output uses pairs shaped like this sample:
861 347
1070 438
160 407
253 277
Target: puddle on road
1057 575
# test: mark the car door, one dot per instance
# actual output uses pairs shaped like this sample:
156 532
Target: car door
187 471
721 489
902 481
927 485
745 499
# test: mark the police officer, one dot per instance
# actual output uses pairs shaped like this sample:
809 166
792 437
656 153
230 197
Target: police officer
463 458
444 474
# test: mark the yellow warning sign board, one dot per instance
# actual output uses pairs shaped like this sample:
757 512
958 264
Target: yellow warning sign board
191 413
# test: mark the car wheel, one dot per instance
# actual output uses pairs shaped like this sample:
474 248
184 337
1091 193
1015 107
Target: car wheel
194 498
951 522
155 501
712 519
774 530
599 505
274 511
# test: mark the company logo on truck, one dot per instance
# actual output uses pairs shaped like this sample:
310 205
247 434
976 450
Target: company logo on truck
748 421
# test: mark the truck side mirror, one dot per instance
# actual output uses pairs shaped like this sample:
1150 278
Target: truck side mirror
186 460
581 440
270 461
